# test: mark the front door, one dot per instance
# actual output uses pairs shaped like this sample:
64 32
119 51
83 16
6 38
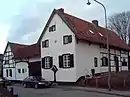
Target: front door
116 63
35 68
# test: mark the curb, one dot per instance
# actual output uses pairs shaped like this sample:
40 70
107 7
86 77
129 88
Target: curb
116 94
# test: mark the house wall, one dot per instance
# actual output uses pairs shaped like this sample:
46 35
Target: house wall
9 77
57 48
21 65
8 66
85 54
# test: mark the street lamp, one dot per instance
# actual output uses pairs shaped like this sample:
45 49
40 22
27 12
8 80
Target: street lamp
107 42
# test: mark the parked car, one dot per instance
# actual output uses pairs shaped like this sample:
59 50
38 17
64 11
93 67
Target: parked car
5 81
35 82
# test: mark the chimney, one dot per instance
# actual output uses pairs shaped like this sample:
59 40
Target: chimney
95 22
61 10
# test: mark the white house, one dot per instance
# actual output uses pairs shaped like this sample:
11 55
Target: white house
17 60
77 48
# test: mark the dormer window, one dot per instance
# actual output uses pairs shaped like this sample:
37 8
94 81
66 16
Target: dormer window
67 39
52 28
100 34
45 44
91 31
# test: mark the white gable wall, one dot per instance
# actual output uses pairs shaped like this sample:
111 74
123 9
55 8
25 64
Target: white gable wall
21 65
56 48
8 66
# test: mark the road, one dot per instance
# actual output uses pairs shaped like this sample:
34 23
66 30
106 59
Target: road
55 92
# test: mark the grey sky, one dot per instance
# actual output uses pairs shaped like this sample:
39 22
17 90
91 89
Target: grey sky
23 20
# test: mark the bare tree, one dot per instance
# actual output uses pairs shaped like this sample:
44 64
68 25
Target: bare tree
120 23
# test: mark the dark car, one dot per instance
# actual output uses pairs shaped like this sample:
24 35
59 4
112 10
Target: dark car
35 82
5 81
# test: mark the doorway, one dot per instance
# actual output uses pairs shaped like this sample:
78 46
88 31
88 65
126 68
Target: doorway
116 63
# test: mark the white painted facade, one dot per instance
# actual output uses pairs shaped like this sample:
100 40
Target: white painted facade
13 67
83 54
56 48
24 71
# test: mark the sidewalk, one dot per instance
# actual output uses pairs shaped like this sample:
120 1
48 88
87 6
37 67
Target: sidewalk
98 90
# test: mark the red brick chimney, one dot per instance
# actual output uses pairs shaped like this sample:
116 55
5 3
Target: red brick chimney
95 22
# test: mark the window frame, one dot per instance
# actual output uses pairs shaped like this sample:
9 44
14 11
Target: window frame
23 70
124 63
67 39
7 73
19 70
66 60
95 62
10 73
52 28
104 61
45 43
47 62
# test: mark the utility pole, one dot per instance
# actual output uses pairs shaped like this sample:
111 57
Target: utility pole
107 43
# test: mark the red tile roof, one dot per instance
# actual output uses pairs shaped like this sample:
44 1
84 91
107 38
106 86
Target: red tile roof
24 51
83 31
29 51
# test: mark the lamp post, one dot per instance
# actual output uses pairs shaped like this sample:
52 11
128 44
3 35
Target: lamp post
107 42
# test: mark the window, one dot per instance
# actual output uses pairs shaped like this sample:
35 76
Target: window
7 73
8 58
47 62
45 44
67 39
19 70
116 60
6 61
95 62
10 72
104 61
52 28
23 71
124 63
66 61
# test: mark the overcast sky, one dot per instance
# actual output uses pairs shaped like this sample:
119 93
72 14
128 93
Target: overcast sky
23 20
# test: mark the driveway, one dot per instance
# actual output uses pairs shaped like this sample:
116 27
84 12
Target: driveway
55 92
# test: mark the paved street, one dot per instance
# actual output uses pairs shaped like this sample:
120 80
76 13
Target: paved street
56 92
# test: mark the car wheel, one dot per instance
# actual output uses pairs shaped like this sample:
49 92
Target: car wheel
36 86
24 85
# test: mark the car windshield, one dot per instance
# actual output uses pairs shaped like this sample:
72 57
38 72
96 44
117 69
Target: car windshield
38 78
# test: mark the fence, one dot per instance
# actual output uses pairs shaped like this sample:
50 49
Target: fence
118 81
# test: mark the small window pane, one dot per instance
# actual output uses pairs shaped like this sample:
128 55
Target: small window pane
65 40
47 62
23 71
10 72
19 70
95 62
6 72
47 43
124 63
66 60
